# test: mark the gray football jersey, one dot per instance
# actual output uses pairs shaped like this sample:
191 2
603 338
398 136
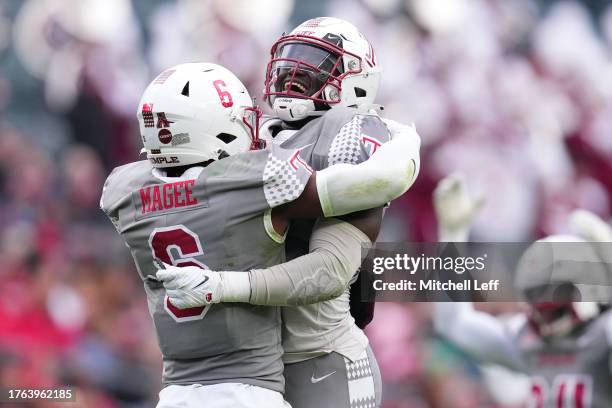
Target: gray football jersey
341 135
573 371
220 219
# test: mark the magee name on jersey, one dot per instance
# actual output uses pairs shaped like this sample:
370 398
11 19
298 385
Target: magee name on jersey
164 197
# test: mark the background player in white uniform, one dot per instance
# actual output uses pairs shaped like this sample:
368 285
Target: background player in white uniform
563 348
321 80
196 201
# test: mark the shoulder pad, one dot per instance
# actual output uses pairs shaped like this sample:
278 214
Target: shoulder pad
122 181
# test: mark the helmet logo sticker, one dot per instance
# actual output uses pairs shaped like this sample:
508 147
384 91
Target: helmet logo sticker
180 138
165 136
162 121
147 114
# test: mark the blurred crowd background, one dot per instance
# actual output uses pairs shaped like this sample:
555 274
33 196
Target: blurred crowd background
517 94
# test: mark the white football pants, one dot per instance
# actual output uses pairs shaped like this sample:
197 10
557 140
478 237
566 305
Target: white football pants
224 395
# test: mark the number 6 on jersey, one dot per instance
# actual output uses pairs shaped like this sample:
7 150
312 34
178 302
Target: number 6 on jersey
186 244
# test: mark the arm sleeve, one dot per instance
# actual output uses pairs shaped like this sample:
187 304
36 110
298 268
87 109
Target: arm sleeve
479 334
324 273
345 188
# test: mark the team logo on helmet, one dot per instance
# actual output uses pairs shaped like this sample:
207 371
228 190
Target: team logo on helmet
165 136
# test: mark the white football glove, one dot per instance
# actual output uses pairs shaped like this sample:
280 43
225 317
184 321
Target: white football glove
589 226
455 208
190 286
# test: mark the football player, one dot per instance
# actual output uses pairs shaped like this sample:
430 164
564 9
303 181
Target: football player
563 347
203 199
321 82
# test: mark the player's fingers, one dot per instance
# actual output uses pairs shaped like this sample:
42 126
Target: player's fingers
396 128
166 276
447 185
175 299
458 183
442 188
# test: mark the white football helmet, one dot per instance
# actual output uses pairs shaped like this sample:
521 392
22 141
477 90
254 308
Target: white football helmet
193 113
565 283
324 62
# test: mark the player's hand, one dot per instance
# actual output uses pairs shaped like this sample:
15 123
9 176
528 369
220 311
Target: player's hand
455 207
396 127
190 286
589 226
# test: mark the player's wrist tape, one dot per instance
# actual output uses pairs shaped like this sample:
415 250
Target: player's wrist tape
236 286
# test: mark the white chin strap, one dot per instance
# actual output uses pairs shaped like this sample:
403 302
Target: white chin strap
293 109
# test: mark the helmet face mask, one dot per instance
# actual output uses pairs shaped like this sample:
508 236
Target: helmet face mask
250 119
559 319
553 319
307 67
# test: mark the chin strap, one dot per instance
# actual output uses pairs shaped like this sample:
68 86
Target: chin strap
294 109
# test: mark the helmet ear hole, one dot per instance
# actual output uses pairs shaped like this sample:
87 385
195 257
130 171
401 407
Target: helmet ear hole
226 137
185 91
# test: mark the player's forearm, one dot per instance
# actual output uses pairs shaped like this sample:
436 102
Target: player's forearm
322 274
477 333
345 188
